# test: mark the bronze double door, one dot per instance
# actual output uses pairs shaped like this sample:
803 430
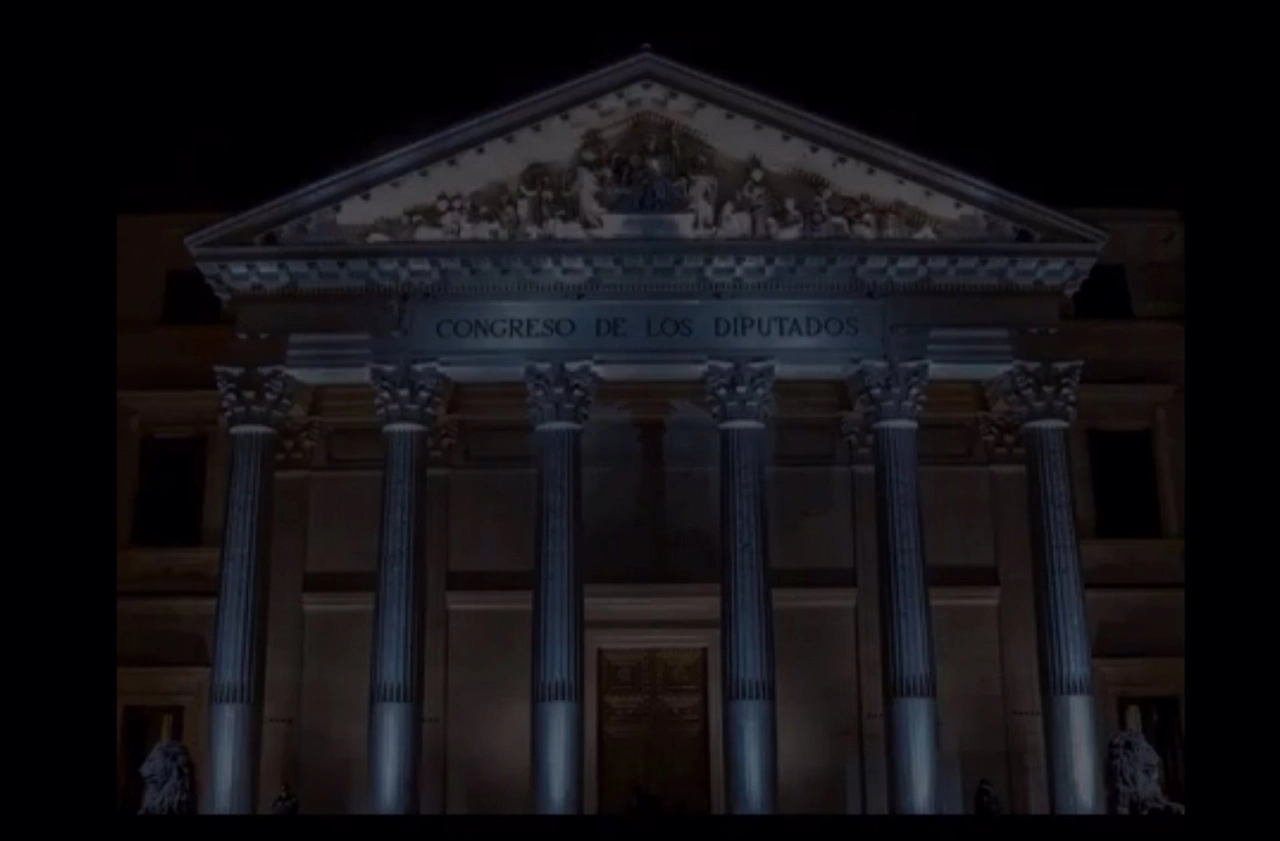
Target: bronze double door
653 749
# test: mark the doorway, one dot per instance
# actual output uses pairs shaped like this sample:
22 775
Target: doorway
653 747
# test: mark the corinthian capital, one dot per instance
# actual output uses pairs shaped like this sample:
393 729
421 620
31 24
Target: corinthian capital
739 392
408 393
254 396
559 393
1037 391
889 391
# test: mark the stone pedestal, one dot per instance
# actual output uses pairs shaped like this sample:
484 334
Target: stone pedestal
1041 398
559 401
407 402
740 397
889 398
254 402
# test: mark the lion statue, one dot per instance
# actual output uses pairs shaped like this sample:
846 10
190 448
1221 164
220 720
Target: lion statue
1133 777
167 774
985 801
286 802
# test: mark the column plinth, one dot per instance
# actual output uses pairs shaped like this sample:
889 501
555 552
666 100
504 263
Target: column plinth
890 397
407 402
740 397
559 402
1041 399
254 403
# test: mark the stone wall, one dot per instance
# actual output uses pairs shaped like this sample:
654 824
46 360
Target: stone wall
651 522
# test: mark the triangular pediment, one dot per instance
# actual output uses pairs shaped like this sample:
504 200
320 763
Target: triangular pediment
647 149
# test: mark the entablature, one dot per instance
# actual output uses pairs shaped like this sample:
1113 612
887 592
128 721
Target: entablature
646 268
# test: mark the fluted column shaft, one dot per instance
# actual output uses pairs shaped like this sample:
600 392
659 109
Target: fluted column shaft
746 624
910 685
890 399
395 704
741 400
559 400
254 402
407 400
1062 626
1042 399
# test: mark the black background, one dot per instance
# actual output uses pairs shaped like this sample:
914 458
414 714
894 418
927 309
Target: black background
1081 113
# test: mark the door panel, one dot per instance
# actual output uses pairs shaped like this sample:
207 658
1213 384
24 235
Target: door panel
653 734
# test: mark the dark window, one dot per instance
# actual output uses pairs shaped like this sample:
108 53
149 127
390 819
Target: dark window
169 507
1126 502
189 300
1104 294
1161 726
140 729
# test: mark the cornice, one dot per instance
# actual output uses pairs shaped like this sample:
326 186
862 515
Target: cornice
142 569
1121 672
189 406
141 681
138 603
591 270
1134 403
1116 394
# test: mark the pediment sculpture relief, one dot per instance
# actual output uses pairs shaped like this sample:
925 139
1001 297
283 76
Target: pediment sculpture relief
652 177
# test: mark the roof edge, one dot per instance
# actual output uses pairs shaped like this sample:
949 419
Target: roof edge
396 162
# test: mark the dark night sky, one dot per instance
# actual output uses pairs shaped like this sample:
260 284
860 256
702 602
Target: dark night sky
1088 118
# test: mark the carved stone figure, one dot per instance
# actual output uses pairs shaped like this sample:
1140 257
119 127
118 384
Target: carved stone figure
790 222
985 801
1133 777
754 200
167 775
827 216
702 200
587 188
286 802
651 165
733 223
652 178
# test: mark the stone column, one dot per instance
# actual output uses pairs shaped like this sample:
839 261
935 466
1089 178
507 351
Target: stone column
890 396
740 396
254 402
282 683
559 401
1041 398
407 401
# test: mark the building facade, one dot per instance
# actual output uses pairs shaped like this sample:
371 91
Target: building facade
650 439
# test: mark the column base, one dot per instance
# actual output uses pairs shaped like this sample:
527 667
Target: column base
233 759
751 757
1071 739
912 742
395 739
557 757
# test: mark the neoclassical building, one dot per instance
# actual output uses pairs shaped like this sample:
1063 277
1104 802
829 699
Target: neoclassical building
650 438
